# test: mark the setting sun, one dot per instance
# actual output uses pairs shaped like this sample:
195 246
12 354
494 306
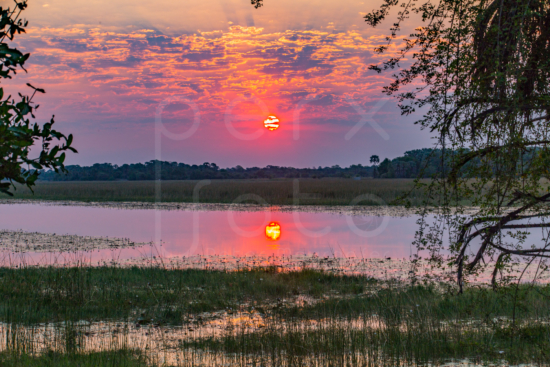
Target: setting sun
271 123
273 231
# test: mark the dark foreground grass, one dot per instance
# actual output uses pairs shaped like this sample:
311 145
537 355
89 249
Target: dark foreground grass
420 344
32 294
346 320
412 325
118 358
52 294
274 192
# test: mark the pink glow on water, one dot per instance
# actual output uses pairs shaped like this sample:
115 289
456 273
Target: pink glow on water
218 232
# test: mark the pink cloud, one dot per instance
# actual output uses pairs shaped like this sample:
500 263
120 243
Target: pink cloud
114 79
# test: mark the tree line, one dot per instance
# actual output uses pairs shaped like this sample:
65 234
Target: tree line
421 161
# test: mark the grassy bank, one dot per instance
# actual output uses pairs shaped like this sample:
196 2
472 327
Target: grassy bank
275 192
265 317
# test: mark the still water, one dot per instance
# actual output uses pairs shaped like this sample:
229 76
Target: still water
220 232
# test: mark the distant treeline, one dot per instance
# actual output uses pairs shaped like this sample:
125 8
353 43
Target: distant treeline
425 161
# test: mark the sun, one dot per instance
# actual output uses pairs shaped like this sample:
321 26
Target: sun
271 123
273 231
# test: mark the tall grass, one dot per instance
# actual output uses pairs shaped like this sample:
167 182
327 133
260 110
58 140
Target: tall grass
274 192
346 321
52 294
117 358
394 324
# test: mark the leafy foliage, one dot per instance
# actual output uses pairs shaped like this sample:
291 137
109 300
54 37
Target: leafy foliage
17 133
482 68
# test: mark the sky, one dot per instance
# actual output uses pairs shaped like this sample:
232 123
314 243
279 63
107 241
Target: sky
192 81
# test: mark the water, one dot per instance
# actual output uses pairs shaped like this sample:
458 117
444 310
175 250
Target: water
221 232
178 233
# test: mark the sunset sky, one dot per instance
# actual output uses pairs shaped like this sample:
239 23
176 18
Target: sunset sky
109 68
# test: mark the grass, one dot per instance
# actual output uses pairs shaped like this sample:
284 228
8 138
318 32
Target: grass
405 324
118 358
274 192
346 320
420 344
35 295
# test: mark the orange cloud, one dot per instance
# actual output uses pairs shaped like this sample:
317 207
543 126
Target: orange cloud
118 76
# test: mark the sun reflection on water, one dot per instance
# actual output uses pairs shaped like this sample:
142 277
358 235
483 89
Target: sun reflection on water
273 231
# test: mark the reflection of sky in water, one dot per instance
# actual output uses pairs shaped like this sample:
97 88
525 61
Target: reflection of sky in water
221 232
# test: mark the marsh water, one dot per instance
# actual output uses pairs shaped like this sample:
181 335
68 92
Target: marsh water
218 232
255 233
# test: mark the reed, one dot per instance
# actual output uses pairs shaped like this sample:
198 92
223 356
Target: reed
274 192
261 316
54 294
118 358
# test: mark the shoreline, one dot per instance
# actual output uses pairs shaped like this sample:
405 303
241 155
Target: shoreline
390 211
353 210
395 211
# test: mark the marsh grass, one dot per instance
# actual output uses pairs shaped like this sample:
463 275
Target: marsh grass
392 324
274 192
419 344
54 294
346 320
118 358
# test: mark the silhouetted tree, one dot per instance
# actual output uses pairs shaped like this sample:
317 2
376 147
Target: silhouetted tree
18 134
484 67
